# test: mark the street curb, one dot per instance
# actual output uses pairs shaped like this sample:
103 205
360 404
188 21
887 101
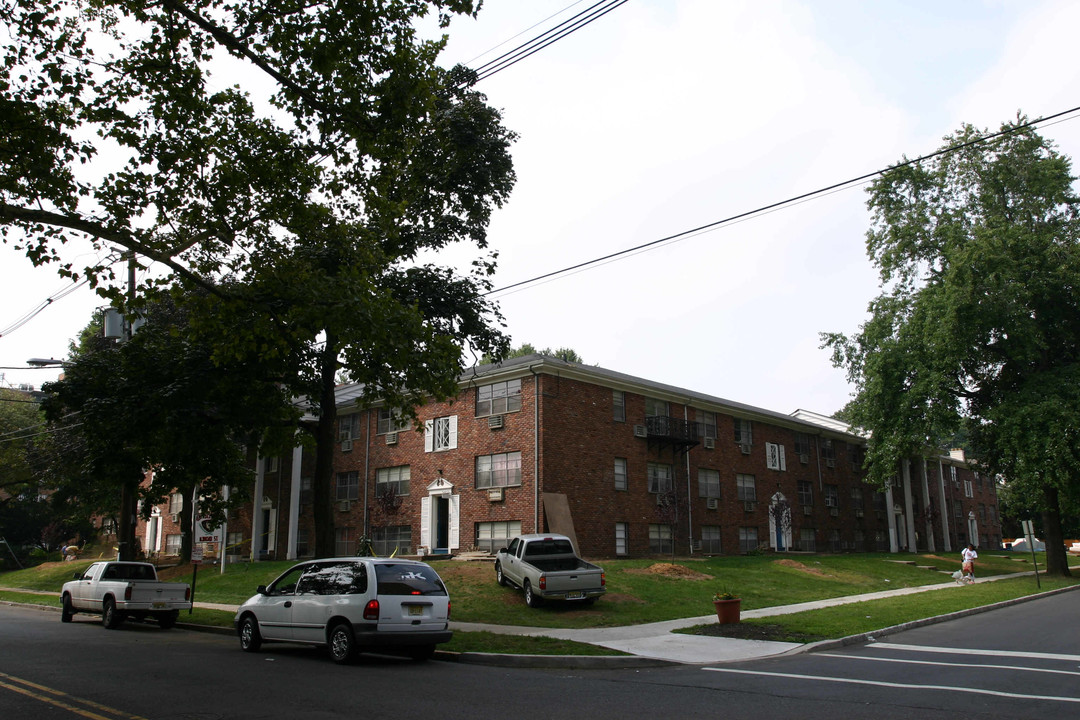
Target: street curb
610 662
871 636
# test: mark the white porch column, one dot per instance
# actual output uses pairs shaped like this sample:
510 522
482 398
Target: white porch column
894 544
944 507
294 502
256 509
927 521
909 516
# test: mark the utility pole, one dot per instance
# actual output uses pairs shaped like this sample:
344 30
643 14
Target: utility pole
128 490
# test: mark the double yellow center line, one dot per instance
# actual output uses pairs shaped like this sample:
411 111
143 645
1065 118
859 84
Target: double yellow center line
79 706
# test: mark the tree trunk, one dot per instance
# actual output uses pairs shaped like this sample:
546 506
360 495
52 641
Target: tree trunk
125 529
1057 562
322 482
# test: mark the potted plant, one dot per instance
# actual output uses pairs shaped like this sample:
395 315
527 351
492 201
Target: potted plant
728 606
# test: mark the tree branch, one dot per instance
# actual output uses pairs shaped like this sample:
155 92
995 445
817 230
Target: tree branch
12 213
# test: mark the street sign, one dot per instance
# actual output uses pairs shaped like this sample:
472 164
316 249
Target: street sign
196 554
204 533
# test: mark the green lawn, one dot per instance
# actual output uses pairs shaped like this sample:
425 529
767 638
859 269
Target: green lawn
645 590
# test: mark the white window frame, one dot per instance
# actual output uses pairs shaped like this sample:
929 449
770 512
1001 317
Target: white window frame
622 538
441 434
349 482
744 431
661 477
747 487
498 398
498 470
398 476
775 457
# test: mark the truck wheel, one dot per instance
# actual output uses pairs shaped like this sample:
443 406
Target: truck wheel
166 620
66 610
250 638
110 616
531 598
499 577
342 643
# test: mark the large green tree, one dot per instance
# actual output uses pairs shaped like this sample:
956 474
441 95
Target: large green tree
979 317
313 207
158 401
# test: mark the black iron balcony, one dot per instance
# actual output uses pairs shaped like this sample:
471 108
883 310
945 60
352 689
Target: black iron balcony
672 430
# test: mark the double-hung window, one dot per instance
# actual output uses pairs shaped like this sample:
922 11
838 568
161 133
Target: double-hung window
502 470
744 432
498 398
348 486
708 483
388 422
621 482
660 477
747 487
706 423
392 478
618 406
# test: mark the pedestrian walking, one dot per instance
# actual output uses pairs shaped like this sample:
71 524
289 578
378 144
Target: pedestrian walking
968 555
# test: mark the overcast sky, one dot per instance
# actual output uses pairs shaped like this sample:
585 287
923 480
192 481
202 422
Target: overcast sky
663 116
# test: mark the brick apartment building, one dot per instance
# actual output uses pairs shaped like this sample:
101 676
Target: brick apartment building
627 466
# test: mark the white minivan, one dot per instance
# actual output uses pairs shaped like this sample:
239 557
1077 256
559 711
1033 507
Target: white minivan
350 604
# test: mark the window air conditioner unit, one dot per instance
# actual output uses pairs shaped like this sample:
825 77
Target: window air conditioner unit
345 435
175 517
749 505
697 545
830 502
829 462
807 510
495 494
391 438
344 505
804 458
859 512
346 445
495 422
710 443
640 431
746 448
712 503
835 512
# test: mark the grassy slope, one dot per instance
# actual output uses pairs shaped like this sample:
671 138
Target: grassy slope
642 591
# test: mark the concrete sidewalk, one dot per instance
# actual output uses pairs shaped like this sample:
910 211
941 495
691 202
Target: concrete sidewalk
658 643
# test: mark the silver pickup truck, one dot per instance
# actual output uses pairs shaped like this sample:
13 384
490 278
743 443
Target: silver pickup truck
117 590
545 567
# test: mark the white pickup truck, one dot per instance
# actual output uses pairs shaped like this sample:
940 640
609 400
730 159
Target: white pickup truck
545 567
118 590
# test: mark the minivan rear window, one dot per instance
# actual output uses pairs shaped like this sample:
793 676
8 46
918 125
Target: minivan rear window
408 579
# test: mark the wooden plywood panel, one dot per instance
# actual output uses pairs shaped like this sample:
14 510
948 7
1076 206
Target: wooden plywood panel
559 519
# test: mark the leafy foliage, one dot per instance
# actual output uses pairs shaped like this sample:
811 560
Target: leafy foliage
306 204
979 317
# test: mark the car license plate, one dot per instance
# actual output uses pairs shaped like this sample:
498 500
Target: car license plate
159 604
416 610
574 595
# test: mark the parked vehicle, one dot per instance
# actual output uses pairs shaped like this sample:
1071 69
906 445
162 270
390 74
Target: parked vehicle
119 590
545 567
350 605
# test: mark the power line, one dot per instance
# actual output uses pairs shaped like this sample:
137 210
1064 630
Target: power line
560 31
514 37
777 205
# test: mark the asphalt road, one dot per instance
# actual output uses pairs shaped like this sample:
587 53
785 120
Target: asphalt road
1017 662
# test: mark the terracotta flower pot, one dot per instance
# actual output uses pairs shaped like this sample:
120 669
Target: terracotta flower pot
727 611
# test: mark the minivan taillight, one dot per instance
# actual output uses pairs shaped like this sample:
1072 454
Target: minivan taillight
371 610
603 579
447 609
127 593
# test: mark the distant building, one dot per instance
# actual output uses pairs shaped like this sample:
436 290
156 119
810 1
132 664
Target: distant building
628 467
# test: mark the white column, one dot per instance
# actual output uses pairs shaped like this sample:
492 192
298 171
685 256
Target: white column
294 502
927 521
894 545
256 509
944 507
909 517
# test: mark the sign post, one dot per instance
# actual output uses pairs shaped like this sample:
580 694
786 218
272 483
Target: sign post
196 558
1029 536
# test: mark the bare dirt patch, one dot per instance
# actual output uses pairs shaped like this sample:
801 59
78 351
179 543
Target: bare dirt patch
670 570
796 565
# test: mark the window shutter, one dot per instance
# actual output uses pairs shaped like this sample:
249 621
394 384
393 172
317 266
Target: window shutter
783 459
429 436
452 440
454 538
425 521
